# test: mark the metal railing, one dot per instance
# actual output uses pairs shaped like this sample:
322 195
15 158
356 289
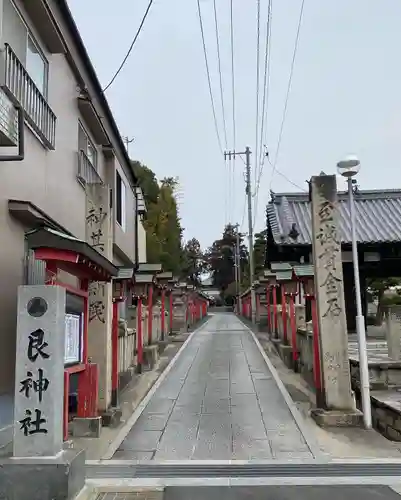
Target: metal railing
34 270
20 88
87 173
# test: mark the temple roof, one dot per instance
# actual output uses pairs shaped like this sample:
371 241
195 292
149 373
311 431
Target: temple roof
378 217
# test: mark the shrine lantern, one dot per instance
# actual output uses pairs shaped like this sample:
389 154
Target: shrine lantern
142 285
270 277
122 283
164 278
305 274
290 285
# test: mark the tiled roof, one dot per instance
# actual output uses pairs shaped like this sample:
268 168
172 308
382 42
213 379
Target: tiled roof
304 270
378 216
280 266
284 275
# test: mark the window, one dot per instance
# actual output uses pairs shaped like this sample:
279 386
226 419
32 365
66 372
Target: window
87 146
17 34
120 201
37 66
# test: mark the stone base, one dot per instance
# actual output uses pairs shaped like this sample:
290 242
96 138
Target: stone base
88 427
162 345
276 342
112 417
337 418
151 355
285 352
60 478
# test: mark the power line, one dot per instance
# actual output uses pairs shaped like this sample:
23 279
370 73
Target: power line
131 46
220 75
266 85
257 83
208 78
288 92
281 174
234 131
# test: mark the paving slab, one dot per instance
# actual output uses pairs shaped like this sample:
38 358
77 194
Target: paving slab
357 492
220 401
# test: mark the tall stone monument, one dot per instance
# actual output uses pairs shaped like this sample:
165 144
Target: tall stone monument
40 468
99 236
339 404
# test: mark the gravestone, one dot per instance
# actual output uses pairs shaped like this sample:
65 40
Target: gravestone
339 404
40 468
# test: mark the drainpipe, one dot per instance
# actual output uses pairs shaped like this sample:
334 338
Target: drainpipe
21 139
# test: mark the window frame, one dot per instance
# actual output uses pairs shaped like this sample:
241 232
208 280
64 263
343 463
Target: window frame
121 204
90 142
31 36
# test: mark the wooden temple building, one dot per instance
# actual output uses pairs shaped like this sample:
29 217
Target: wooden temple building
378 231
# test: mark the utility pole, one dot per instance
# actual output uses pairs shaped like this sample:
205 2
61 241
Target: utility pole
127 142
248 192
238 270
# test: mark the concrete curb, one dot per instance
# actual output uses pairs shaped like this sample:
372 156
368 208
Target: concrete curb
309 438
115 444
125 485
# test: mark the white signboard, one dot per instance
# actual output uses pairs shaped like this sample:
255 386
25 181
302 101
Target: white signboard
72 352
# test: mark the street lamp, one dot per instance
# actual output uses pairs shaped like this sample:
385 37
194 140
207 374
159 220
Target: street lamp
348 168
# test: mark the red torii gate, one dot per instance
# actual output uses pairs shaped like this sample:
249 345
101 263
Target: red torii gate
61 252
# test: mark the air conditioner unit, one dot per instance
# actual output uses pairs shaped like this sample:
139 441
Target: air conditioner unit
8 122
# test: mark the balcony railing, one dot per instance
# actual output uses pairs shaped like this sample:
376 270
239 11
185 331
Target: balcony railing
20 88
87 173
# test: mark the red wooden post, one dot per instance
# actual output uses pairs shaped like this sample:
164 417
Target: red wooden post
163 311
84 288
66 402
150 313
275 311
114 356
171 312
88 391
140 337
293 329
257 306
269 320
284 314
316 355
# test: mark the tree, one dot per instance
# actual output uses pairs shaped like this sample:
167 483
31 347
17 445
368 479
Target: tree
192 262
220 258
377 288
259 252
162 221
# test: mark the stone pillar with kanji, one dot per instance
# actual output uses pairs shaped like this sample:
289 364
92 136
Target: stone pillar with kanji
40 466
99 235
340 408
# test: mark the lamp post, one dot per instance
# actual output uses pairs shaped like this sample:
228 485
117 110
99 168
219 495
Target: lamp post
348 168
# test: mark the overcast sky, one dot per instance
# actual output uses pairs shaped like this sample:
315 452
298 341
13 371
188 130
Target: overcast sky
345 97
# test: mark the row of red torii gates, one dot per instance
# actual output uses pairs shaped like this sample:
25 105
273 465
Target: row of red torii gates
141 287
278 290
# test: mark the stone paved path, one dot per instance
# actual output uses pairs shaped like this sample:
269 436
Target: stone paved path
218 402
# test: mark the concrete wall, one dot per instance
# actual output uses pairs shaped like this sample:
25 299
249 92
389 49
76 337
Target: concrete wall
124 237
142 255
